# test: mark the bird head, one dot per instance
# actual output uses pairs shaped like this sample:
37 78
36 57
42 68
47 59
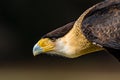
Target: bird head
52 42
43 45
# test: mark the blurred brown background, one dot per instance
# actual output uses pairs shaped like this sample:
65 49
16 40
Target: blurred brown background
23 22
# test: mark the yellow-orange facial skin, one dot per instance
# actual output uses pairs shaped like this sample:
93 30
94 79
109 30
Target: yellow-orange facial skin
46 44
43 45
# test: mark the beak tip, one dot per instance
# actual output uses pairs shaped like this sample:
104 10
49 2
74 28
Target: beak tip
34 54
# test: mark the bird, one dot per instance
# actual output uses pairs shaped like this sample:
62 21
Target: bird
97 29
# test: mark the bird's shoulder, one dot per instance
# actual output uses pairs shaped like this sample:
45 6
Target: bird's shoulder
102 24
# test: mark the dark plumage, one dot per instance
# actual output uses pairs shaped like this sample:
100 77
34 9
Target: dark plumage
102 25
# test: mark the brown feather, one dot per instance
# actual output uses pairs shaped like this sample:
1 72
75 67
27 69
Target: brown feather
102 26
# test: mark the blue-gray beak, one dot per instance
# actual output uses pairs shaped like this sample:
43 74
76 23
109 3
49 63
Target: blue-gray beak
37 50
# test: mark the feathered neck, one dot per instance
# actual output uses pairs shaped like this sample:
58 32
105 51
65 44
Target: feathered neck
75 43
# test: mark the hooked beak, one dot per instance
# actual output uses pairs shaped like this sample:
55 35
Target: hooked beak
37 50
44 45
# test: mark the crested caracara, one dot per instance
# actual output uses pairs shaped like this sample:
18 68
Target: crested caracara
98 28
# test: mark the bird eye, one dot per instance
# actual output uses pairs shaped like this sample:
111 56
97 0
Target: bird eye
53 39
